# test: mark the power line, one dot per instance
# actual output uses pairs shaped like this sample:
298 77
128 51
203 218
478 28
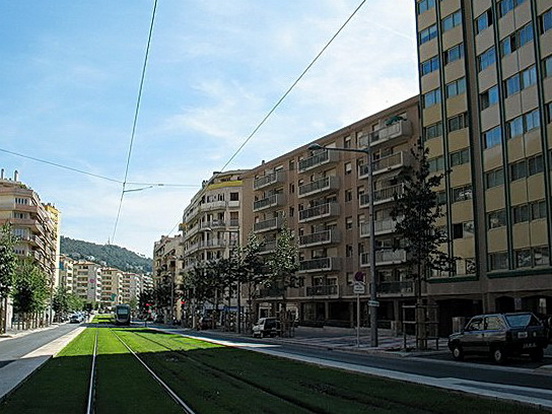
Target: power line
135 121
102 177
288 91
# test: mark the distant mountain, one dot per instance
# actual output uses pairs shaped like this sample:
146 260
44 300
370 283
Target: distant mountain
106 254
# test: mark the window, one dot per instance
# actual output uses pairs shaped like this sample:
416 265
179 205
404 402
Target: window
456 87
452 20
432 98
458 122
517 40
520 213
460 157
518 170
531 120
535 165
546 21
462 230
541 256
433 131
492 137
486 59
425 5
515 127
234 196
484 21
349 223
348 168
454 53
523 258
548 107
494 178
520 81
529 77
538 210
498 261
547 66
496 219
429 65
436 164
505 6
427 34
347 142
494 323
489 97
461 193
348 195
348 250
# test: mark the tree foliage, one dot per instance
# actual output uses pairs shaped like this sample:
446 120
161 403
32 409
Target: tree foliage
417 212
7 260
283 264
31 288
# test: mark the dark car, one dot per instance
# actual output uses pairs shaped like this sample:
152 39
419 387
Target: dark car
501 335
267 327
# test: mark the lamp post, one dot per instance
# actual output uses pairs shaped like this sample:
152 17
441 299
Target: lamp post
373 303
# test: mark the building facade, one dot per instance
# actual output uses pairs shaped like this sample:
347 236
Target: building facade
66 273
323 197
168 262
486 99
87 282
112 287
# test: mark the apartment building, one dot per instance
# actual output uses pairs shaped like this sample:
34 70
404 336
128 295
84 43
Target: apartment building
66 273
112 287
34 223
168 258
486 103
87 282
323 197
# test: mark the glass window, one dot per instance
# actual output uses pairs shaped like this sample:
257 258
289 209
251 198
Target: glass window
505 6
518 170
425 5
535 165
462 193
513 85
460 157
541 256
538 210
433 131
494 178
486 59
494 323
427 34
496 219
520 213
547 66
429 66
432 98
498 261
489 97
515 127
456 87
484 21
492 137
529 76
523 258
452 20
454 53
532 120
436 164
546 21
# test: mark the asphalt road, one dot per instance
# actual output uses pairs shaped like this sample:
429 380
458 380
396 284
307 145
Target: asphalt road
15 348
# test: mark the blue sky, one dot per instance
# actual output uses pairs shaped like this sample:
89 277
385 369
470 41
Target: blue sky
69 77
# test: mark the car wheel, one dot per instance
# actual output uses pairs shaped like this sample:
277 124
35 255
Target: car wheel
457 352
537 355
498 355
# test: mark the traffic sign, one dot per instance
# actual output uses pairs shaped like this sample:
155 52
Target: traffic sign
373 303
359 288
359 276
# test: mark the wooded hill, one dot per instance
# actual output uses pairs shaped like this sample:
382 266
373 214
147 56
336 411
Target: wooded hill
106 254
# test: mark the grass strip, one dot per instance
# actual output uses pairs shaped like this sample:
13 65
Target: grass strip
60 386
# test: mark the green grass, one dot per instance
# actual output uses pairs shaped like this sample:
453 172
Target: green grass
216 379
104 318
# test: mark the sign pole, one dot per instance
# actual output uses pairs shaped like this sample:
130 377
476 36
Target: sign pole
358 320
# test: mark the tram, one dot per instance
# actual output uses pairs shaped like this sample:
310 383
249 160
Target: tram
122 315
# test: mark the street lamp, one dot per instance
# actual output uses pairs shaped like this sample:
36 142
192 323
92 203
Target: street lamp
373 303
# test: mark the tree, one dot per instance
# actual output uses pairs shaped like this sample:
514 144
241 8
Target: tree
282 266
253 272
31 288
7 270
416 211
60 302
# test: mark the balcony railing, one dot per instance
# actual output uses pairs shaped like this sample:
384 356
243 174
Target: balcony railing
269 179
268 225
323 290
329 236
268 247
319 186
396 130
213 205
386 257
322 157
318 212
405 287
273 200
320 265
386 195
385 226
273 292
213 224
212 243
390 162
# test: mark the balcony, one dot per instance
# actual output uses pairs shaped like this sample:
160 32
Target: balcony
385 226
274 200
391 162
320 238
268 225
386 195
390 256
323 290
400 129
322 264
273 292
319 212
268 247
213 205
322 157
212 244
211 225
405 287
319 186
277 177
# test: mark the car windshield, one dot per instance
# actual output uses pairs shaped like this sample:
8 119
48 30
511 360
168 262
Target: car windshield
521 321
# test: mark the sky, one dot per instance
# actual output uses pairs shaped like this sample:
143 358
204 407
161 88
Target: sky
70 74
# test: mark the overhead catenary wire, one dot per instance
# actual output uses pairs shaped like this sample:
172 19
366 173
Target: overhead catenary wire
135 121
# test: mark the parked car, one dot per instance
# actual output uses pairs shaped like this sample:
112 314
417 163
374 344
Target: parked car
75 318
501 335
267 326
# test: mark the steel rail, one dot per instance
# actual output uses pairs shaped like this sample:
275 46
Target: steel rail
91 387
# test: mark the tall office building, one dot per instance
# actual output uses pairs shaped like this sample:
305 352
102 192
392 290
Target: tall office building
486 99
